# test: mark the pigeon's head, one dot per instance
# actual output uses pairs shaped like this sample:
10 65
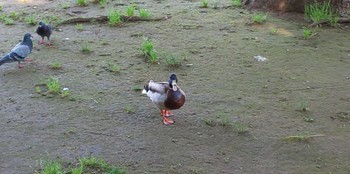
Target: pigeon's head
41 24
172 80
27 37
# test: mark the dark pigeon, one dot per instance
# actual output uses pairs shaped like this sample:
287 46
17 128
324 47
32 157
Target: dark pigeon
19 52
44 30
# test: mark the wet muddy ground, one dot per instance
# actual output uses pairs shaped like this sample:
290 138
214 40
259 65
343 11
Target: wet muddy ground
225 85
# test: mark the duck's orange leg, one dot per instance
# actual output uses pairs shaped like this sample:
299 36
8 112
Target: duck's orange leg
168 113
166 120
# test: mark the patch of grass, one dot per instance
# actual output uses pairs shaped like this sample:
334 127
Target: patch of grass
129 109
147 47
319 11
273 31
204 3
51 167
9 21
85 165
31 20
224 121
86 48
114 17
81 3
173 60
102 3
53 85
13 15
65 92
2 16
303 105
308 33
236 3
111 67
65 5
259 18
301 137
56 65
0 7
144 13
79 27
138 88
130 10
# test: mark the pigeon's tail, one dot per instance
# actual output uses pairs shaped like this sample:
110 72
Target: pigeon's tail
6 59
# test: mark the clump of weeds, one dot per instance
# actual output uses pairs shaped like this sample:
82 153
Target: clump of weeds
148 50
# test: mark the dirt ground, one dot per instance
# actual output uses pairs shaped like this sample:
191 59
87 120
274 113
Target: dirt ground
219 74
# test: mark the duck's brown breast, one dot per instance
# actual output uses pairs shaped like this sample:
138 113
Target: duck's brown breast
174 100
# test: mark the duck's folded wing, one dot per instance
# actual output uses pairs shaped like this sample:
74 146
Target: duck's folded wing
158 87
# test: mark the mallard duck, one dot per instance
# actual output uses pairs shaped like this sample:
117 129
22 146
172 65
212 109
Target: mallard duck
166 95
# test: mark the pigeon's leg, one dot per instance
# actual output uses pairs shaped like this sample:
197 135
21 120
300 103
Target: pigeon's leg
166 120
41 40
48 38
20 65
168 113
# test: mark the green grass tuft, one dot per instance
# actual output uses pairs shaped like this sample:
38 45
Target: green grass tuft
31 20
9 21
144 13
303 105
53 85
319 11
86 48
114 17
130 10
259 18
102 3
236 3
204 3
111 67
82 3
56 65
173 60
147 47
51 167
79 27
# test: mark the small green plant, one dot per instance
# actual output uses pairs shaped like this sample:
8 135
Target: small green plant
114 17
236 3
303 105
13 15
53 85
56 65
111 67
51 167
147 47
102 3
31 20
77 170
130 10
129 109
307 33
319 11
81 2
259 17
0 7
65 5
138 88
2 16
273 31
204 3
144 13
210 122
172 60
239 127
85 48
79 27
65 92
38 90
9 21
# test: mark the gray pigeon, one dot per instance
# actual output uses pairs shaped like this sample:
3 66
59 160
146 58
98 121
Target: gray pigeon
19 52
44 30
